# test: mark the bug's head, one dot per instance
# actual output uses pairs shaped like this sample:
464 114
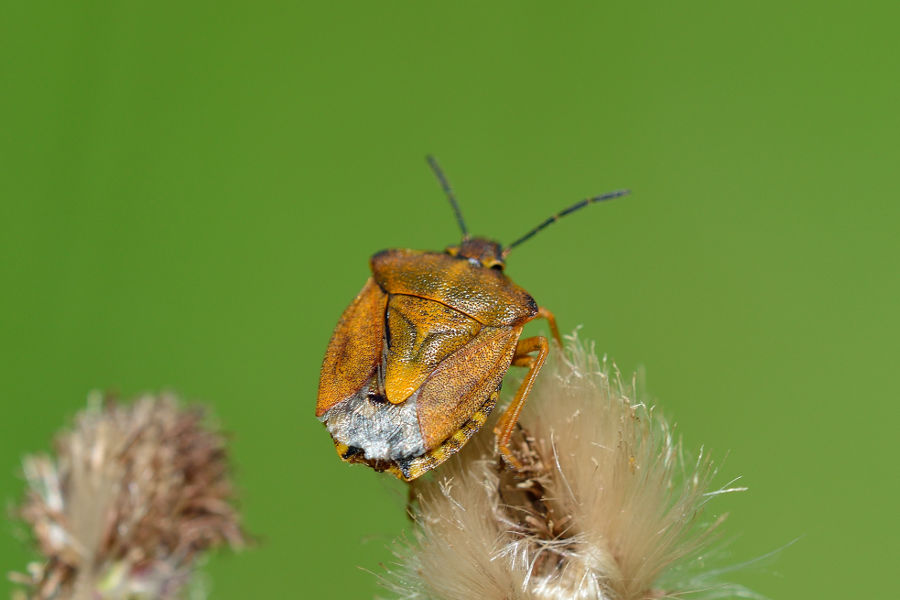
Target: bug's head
488 253
485 252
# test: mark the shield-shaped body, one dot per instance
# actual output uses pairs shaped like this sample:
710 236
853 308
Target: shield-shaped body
416 362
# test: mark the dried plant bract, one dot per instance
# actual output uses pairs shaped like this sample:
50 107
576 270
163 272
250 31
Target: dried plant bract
133 495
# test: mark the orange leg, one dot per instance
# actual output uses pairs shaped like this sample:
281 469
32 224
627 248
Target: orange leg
543 313
507 422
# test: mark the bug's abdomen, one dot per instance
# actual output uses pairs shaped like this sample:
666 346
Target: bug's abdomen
420 334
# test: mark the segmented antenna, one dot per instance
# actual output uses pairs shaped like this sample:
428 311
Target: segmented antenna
449 192
563 213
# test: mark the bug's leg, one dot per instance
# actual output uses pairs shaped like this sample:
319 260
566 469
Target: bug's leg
506 424
543 313
411 497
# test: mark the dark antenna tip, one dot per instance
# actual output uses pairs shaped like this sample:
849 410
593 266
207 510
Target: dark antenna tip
445 185
563 213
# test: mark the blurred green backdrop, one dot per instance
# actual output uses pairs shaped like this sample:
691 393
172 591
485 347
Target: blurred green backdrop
191 192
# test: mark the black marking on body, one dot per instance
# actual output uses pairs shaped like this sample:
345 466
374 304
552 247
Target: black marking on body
351 452
404 465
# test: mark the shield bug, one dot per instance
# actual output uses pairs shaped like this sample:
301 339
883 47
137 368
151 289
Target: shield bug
416 362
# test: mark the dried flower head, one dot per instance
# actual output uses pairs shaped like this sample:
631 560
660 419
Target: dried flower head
134 493
604 508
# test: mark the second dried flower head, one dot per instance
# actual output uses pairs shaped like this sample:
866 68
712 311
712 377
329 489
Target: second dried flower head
135 492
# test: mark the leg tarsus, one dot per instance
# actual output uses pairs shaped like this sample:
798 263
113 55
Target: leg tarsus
411 498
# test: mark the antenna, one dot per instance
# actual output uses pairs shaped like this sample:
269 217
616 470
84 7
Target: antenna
449 192
563 213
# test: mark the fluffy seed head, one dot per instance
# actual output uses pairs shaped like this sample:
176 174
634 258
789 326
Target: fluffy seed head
605 508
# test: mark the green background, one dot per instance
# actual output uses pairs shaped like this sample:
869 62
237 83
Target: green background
191 192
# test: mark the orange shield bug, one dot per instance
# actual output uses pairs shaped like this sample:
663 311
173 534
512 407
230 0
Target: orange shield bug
416 362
